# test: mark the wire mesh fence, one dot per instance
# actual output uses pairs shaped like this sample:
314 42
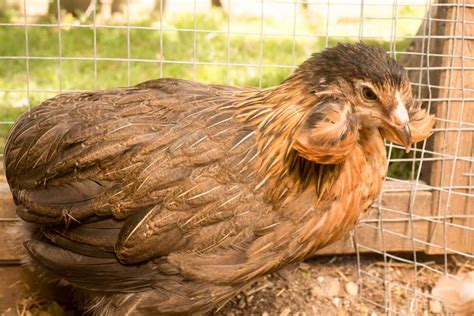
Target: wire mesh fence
426 205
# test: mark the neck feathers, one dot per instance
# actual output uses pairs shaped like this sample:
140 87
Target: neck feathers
277 114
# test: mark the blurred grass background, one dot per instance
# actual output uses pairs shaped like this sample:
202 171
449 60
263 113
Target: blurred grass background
151 45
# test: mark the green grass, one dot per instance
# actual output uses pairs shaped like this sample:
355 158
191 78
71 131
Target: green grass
149 45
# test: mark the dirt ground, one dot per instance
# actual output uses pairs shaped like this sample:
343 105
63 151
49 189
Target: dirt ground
335 286
323 286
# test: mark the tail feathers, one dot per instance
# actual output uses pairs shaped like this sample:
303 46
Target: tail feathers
68 202
91 273
107 287
79 248
110 288
96 238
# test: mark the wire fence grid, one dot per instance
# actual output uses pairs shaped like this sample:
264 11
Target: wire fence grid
392 23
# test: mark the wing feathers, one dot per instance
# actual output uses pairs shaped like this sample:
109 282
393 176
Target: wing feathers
137 174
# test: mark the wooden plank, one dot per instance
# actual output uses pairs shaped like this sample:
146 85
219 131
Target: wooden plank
8 219
449 75
7 207
452 173
7 248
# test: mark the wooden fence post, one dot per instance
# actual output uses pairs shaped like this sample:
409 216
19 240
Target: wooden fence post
445 52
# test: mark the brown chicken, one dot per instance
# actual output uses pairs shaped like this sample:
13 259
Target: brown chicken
456 293
171 196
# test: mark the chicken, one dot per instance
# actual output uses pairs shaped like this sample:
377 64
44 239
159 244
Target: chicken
456 293
171 196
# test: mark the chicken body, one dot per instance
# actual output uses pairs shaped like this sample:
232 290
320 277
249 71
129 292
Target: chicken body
171 196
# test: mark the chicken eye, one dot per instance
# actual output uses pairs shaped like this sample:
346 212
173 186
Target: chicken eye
369 94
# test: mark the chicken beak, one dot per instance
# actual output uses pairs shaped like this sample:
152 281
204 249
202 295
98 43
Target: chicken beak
407 137
401 119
